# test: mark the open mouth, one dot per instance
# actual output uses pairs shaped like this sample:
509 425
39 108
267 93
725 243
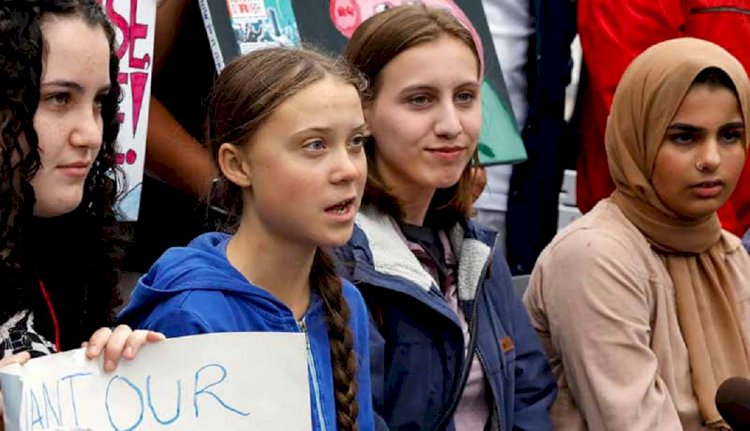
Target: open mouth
709 184
342 207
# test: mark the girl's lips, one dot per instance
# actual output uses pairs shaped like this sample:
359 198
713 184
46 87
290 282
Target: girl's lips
708 191
447 154
75 170
342 212
78 168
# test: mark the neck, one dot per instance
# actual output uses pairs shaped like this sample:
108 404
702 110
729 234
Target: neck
281 268
415 207
413 199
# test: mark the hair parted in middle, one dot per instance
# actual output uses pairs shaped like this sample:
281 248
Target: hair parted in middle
373 45
248 91
78 253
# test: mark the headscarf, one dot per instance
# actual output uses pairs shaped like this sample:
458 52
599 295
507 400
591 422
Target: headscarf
645 102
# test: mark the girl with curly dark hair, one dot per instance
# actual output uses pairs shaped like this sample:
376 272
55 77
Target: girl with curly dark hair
58 181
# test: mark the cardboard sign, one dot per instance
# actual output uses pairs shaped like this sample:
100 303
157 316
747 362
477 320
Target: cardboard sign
223 381
134 23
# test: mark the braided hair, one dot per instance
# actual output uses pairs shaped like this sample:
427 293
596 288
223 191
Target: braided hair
341 339
237 108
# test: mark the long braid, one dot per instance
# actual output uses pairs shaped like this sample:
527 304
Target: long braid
343 357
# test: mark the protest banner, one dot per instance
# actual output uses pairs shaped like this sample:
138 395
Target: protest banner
134 23
222 381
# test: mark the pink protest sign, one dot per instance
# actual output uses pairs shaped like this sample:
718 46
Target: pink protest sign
134 22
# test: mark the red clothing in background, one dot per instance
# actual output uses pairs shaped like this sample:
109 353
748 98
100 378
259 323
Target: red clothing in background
613 33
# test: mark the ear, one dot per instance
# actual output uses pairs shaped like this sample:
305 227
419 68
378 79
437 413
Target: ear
233 165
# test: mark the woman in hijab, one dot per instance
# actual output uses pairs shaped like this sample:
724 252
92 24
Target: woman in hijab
643 304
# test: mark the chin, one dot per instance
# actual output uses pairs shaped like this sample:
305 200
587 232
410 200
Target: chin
701 213
58 209
446 183
335 240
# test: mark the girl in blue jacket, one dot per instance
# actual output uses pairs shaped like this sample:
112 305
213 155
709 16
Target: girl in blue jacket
452 347
286 130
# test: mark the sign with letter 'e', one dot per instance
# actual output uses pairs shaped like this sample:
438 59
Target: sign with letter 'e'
223 381
134 24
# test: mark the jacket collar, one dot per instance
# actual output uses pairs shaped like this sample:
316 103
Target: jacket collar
391 255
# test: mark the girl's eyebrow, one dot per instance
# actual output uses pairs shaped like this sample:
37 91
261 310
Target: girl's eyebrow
734 125
72 85
428 87
682 127
688 128
67 84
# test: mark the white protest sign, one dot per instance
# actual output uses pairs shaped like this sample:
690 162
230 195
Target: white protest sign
224 381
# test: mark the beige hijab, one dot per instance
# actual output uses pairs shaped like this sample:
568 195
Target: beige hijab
646 101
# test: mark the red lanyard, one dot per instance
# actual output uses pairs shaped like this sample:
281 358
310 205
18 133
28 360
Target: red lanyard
52 313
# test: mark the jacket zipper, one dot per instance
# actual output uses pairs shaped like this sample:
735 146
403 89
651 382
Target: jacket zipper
720 9
313 374
495 412
448 414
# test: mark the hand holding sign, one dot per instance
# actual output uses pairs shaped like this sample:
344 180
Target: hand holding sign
123 342
224 381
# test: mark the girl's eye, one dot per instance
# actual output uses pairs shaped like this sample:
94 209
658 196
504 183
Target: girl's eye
465 97
358 141
58 98
682 138
99 102
732 136
314 145
420 100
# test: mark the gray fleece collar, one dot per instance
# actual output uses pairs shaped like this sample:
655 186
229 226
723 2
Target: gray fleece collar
391 255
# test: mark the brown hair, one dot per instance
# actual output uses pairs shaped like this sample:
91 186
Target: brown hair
713 77
247 92
373 45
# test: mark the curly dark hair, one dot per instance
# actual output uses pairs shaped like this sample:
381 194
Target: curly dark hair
75 254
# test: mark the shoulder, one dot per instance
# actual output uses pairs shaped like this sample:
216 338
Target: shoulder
353 298
185 312
602 237
597 263
359 316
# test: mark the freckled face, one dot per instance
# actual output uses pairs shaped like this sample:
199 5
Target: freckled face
308 166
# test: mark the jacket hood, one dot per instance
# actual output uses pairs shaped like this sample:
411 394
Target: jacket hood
201 265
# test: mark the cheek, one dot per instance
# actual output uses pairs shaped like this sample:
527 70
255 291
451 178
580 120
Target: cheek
52 135
666 171
734 163
473 124
42 126
361 163
282 182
